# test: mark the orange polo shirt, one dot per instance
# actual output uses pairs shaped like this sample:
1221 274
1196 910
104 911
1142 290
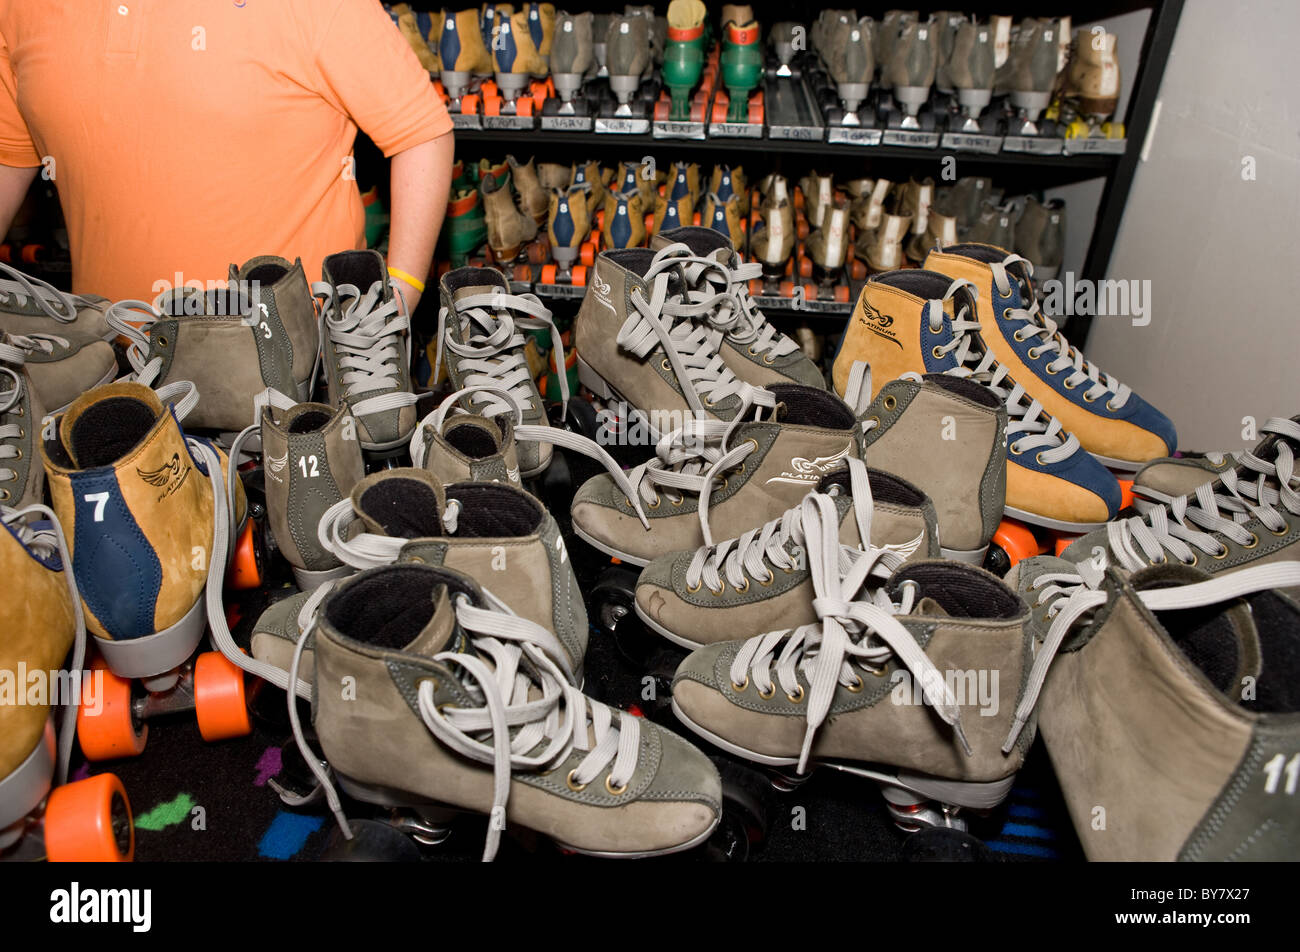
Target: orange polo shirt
184 135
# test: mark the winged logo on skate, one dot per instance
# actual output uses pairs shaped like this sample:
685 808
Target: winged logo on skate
602 289
276 464
878 323
804 471
167 477
906 549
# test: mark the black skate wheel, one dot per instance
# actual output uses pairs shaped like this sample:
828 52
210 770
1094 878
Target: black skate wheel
743 826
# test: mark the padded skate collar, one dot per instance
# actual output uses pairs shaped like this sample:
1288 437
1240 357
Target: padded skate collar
310 420
702 241
473 436
403 507
106 431
809 406
358 268
463 278
636 260
962 591
390 607
968 389
989 254
494 510
885 487
926 285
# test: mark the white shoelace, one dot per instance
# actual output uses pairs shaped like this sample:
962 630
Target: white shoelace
516 671
372 342
40 341
22 288
123 317
857 629
690 460
10 396
779 544
47 542
689 346
1072 596
1037 324
1164 499
492 355
1253 490
722 293
564 439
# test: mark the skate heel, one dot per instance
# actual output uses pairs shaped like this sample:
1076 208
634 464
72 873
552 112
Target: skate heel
308 580
969 556
594 381
915 801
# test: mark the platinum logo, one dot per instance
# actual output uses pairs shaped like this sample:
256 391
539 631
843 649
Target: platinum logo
805 471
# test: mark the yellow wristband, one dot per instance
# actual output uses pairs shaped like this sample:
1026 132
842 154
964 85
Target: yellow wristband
409 279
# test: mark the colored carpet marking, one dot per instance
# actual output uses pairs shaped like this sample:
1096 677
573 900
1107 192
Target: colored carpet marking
287 835
1029 813
166 814
1024 849
267 766
1030 832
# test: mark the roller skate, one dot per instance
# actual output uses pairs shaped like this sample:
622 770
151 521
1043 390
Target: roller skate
22 480
614 800
1092 87
571 59
851 67
1112 422
723 215
782 40
281 287
30 306
465 226
761 579
624 220
416 28
464 60
1030 77
1040 236
533 200
517 62
567 227
909 73
368 350
1141 676
1161 481
937 751
151 527
627 56
920 322
967 73
684 55
509 230
772 243
742 67
882 250
42 814
828 247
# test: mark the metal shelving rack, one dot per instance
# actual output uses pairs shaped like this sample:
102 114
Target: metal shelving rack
1023 172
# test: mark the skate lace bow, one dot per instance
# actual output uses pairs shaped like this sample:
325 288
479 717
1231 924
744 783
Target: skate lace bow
527 714
1029 426
371 342
1253 490
691 459
779 544
492 355
724 291
689 346
1037 324
858 631
22 288
1071 598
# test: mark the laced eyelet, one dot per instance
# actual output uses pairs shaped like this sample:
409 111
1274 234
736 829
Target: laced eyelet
743 589
1088 398
416 559
1068 385
752 352
768 581
769 359
874 421
723 485
20 454
1111 406
4 494
574 786
678 501
769 694
877 672
1254 541
795 698
21 433
613 790
1191 564
754 442
1017 338
741 686
1285 530
1004 297
717 592
19 411
855 688
1038 457
1052 373
890 402
1015 448
665 365
938 353
698 585
656 504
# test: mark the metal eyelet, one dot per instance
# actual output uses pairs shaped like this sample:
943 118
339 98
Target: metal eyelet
755 442
741 686
656 504
664 364
1068 385
740 590
613 790
1088 398
698 585
1039 458
1015 448
1191 564
795 698
1254 541
725 480
20 454
769 580
874 421
1050 371
1221 555
416 559
717 592
1111 407
769 360
162 341
1033 353
878 672
771 693
4 494
575 787
937 352
752 352
890 402
855 688
677 502
1285 530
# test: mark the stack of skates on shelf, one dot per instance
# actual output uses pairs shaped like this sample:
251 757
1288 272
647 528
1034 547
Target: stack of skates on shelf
962 75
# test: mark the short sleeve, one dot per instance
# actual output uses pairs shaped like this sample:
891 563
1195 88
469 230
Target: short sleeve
16 147
373 75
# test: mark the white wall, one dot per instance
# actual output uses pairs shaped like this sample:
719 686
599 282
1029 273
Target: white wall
1221 253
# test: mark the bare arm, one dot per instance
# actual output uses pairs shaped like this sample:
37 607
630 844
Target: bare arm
14 183
421 180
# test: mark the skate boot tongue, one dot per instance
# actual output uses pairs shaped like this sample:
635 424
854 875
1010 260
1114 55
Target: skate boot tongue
401 608
472 281
106 423
361 269
401 504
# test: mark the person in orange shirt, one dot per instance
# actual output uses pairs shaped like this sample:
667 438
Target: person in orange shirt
184 135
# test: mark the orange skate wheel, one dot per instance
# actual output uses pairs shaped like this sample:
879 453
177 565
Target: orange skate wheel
798 200
245 570
858 269
489 88
810 292
805 267
524 107
600 219
842 293
801 229
1125 493
539 251
755 113
469 104
219 704
106 723
548 274
523 272
695 219
1017 541
1063 542
587 253
89 822
661 110
755 286
579 275
491 105
787 289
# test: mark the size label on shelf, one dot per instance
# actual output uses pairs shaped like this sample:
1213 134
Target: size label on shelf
972 142
1032 145
1095 145
678 129
911 138
805 305
461 121
622 125
736 130
567 123
569 291
511 123
798 133
852 135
